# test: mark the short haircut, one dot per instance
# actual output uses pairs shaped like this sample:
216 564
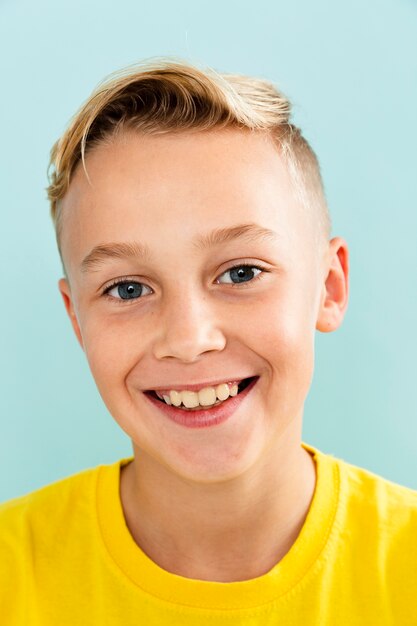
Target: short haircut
168 95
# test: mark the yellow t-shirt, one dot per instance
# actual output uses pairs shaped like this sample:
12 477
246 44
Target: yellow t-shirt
68 559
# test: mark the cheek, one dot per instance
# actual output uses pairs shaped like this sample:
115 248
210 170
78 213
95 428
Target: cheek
285 340
111 351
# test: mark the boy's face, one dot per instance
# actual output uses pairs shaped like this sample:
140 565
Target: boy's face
192 322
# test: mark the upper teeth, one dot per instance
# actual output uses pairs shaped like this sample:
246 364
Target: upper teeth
204 397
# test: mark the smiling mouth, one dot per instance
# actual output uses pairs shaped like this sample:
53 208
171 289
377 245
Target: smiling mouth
241 386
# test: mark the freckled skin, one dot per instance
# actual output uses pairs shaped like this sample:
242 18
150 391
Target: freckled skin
164 191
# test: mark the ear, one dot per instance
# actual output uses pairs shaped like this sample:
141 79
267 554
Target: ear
65 290
334 297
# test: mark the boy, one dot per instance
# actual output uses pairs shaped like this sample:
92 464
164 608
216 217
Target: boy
194 238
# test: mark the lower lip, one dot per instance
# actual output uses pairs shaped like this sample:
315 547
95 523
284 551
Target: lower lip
206 417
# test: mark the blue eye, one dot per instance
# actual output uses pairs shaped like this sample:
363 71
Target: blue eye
239 271
126 290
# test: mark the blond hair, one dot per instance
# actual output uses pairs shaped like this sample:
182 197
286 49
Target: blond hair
166 95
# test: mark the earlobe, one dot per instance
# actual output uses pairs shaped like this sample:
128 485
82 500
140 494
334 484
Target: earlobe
65 290
335 291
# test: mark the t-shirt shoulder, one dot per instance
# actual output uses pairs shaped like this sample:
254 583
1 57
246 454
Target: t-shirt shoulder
388 504
59 485
55 500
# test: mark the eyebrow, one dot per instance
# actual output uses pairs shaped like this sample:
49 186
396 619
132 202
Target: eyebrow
249 232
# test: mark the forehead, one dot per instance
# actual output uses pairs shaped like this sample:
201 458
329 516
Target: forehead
144 186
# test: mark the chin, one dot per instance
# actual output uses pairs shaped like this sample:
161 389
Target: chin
206 466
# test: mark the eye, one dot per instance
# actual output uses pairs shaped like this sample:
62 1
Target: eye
125 289
243 273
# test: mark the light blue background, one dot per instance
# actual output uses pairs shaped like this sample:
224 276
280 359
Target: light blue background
350 70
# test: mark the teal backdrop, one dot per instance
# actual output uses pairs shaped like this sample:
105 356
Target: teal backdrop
350 69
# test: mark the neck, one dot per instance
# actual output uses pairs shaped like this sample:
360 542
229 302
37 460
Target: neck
224 532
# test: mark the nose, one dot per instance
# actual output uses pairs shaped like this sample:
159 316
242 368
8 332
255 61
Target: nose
188 327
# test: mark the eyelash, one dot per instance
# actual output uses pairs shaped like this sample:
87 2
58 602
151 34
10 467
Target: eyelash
126 279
